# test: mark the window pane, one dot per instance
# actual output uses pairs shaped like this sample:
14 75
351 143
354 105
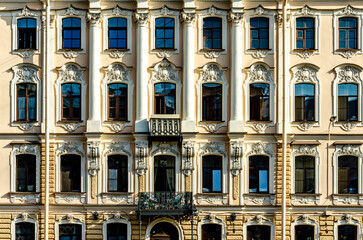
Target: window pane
346 232
164 173
211 232
259 232
24 231
116 231
212 173
304 232
70 173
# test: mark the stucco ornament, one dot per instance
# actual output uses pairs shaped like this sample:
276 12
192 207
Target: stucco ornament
259 54
163 148
71 127
259 148
211 73
25 54
25 149
212 54
26 73
70 11
306 150
305 126
236 148
211 127
118 147
26 12
213 147
188 153
260 11
348 54
259 73
116 216
348 74
141 157
70 147
71 73
349 200
164 71
305 11
259 219
305 54
117 54
164 54
348 126
141 18
117 11
69 54
117 72
305 74
187 18
94 18
259 127
350 150
93 157
347 11
235 17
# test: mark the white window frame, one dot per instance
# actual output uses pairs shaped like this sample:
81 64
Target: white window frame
347 219
259 220
212 12
25 73
117 218
70 73
212 73
348 11
270 15
169 13
19 14
306 150
212 219
347 73
69 219
166 220
117 12
117 73
118 148
259 73
305 220
24 218
305 74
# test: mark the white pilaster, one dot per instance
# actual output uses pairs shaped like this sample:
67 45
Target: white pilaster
188 123
94 119
141 124
235 122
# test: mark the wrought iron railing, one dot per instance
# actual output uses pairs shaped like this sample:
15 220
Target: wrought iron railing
170 201
164 126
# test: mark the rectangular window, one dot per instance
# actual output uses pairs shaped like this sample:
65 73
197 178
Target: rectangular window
305 33
24 230
259 102
212 33
212 174
348 33
165 98
26 95
347 102
259 232
212 102
70 232
70 173
259 33
71 102
348 175
304 102
71 33
117 173
25 173
117 102
164 173
117 33
27 28
346 232
259 174
304 174
164 33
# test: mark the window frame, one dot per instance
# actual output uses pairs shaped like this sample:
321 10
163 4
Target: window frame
71 108
27 169
26 96
80 174
208 100
259 220
27 31
259 30
347 180
69 219
114 218
214 168
304 30
108 177
72 28
304 169
347 38
259 104
117 29
164 96
117 100
348 220
305 220
258 180
212 220
212 38
24 218
348 109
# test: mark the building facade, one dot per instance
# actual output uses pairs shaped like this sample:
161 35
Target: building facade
181 119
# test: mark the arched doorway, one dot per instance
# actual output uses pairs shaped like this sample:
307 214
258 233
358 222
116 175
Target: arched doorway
164 231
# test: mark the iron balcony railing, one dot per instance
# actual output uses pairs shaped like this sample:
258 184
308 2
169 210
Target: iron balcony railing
165 126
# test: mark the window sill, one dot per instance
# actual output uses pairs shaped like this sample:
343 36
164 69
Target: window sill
253 121
305 198
70 121
298 122
117 49
348 49
24 197
70 49
341 122
305 50
259 198
212 50
70 197
163 49
26 50
211 122
116 121
117 197
259 49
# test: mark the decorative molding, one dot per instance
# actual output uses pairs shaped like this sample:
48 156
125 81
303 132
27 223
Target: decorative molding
349 150
69 218
259 73
70 148
70 127
235 17
211 73
141 156
70 54
259 127
347 11
93 157
212 54
70 198
236 154
26 126
164 148
24 197
117 11
26 12
305 11
71 11
348 54
164 71
348 126
260 200
70 72
305 126
25 54
141 18
116 72
211 127
187 18
122 198
164 53
213 148
259 148
213 200
306 150
118 126
258 54
259 11
306 54
25 149
188 153
305 74
118 148
25 74
116 54
94 18
116 216
348 74
259 220
313 199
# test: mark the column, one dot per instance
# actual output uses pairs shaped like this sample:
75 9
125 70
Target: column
141 124
189 101
235 122
94 119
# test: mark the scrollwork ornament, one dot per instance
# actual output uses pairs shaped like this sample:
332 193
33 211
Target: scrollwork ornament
259 127
236 157
213 147
26 126
306 150
94 18
164 54
259 73
259 54
70 127
141 156
117 127
349 149
211 73
187 18
347 11
25 149
164 71
93 157
260 11
305 11
141 18
70 54
212 54
188 152
259 148
25 73
348 126
305 126
25 54
348 54
305 54
26 12
305 74
71 147
117 54
348 74
235 17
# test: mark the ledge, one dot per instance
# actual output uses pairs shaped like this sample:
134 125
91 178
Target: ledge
304 142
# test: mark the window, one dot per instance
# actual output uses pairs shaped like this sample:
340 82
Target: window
259 33
164 33
164 230
212 33
26 94
305 35
211 232
117 101
212 102
348 175
212 174
304 232
164 173
27 28
346 232
348 33
259 174
117 173
71 101
116 231
24 231
70 173
70 232
25 173
347 102
304 174
304 102
71 33
255 232
165 98
260 102
117 33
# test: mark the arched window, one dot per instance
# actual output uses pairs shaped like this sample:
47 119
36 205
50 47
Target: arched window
211 231
212 174
164 33
305 33
117 173
348 33
258 174
164 173
305 102
27 28
346 232
347 102
117 231
259 232
304 232
212 33
304 174
259 102
26 95
71 33
212 102
117 33
25 173
165 98
70 232
117 101
348 174
71 101
259 33
70 173
24 231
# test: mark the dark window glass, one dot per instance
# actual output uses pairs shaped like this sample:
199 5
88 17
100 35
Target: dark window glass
347 102
25 173
71 30
305 174
117 173
164 33
116 231
164 231
164 98
259 174
259 33
348 174
305 33
212 102
212 174
27 28
117 33
117 102
348 33
70 173
346 232
24 231
304 232
259 102
258 232
26 94
211 232
212 32
164 173
70 232
71 101
304 102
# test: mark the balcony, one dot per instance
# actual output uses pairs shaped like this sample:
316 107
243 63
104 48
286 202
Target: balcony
165 127
165 203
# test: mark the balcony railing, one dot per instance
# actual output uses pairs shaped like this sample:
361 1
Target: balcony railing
165 126
165 203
